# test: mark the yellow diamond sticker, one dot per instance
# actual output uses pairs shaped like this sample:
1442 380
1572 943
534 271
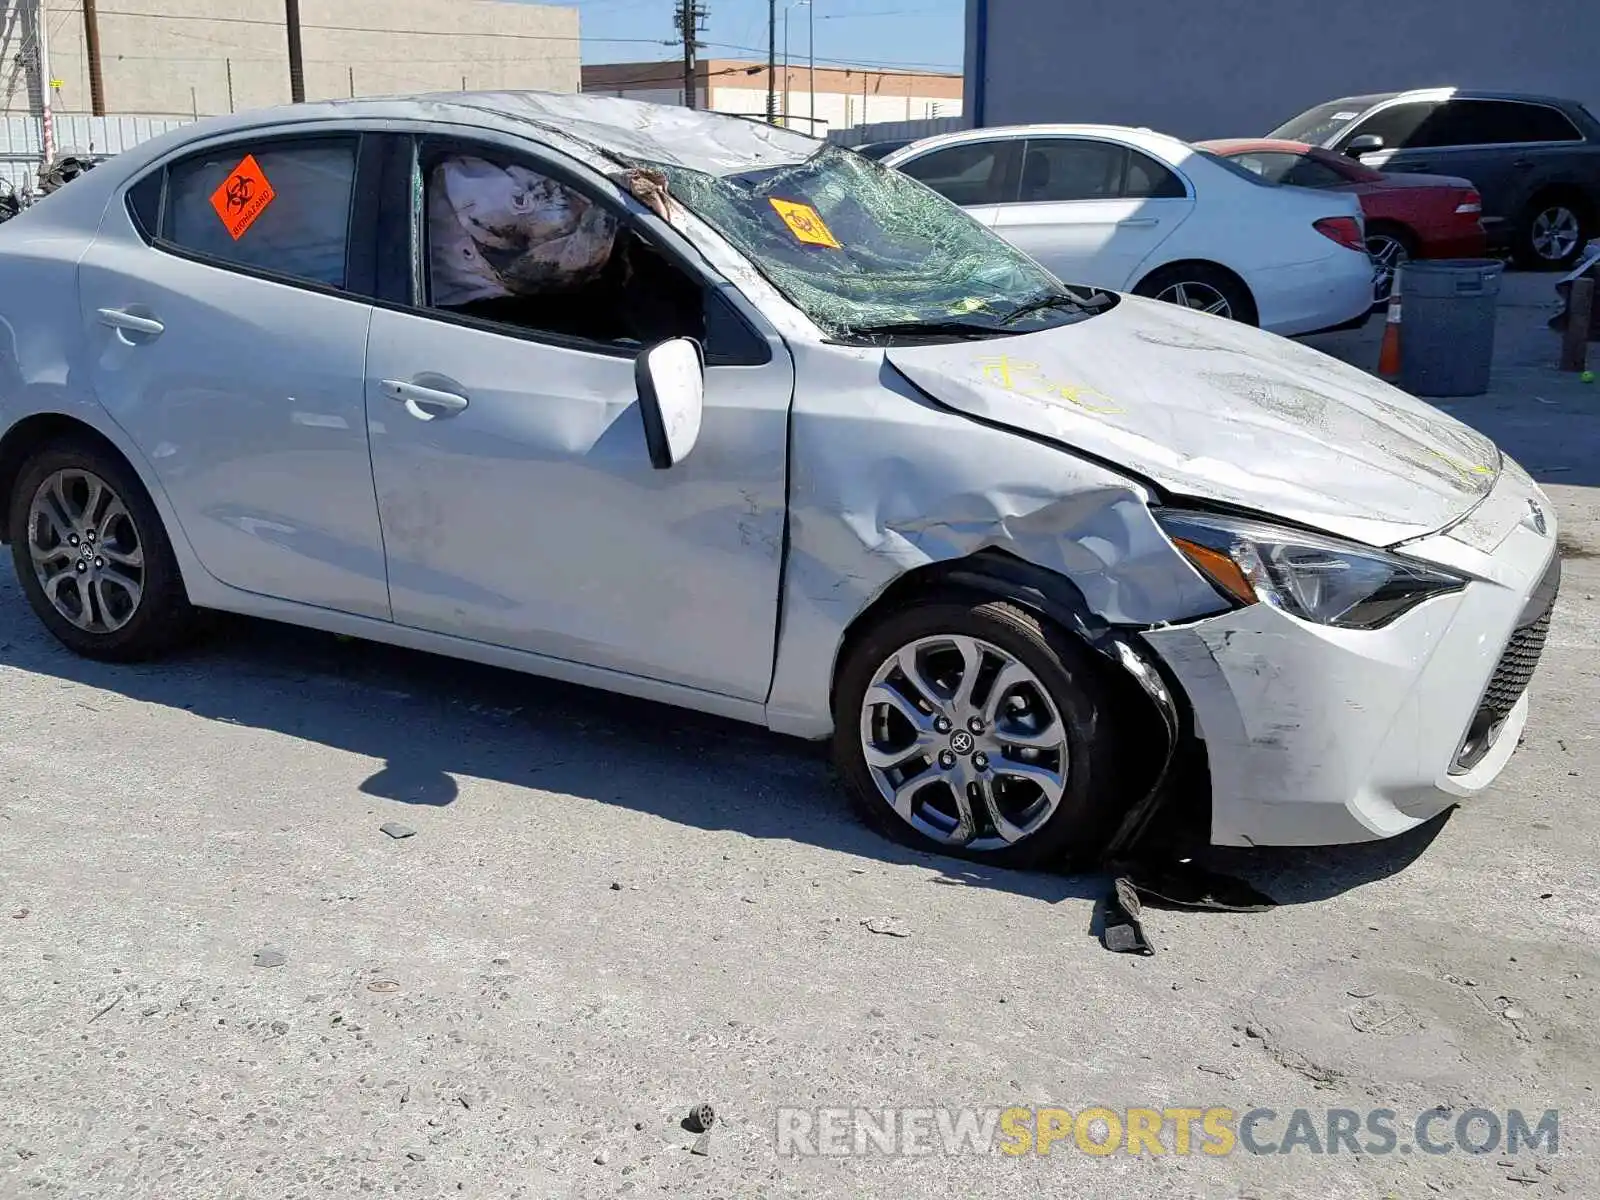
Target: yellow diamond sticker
806 224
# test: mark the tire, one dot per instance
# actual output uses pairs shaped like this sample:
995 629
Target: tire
1054 696
96 612
1391 247
1202 287
1552 232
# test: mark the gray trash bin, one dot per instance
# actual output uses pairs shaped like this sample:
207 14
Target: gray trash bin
1447 325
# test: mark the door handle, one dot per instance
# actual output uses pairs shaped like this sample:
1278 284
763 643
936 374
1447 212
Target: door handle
1138 223
129 322
424 403
1522 164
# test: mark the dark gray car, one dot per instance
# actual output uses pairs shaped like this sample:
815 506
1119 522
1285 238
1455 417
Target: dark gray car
1534 159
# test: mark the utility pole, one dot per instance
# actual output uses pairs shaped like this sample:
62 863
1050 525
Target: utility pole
297 72
772 62
91 45
691 22
811 44
41 41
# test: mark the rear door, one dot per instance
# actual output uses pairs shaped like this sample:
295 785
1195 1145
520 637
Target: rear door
1091 210
225 307
979 176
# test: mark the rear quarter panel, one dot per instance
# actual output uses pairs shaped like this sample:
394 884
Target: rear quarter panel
42 367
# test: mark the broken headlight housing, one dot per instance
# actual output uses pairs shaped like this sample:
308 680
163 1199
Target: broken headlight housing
1315 578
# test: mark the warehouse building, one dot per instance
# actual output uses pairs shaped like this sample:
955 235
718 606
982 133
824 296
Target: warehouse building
842 97
1241 69
186 58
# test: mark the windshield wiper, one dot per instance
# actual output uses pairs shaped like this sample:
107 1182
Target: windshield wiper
1061 300
956 329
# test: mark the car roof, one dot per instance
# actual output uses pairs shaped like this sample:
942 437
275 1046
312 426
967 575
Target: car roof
612 127
1162 145
1441 93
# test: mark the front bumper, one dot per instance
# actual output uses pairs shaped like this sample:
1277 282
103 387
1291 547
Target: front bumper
1318 736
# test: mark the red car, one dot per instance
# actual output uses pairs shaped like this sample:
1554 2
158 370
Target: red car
1407 216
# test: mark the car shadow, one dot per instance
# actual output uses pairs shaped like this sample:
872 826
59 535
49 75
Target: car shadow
1307 875
432 721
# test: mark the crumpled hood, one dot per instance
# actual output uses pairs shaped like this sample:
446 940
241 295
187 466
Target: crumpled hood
1207 408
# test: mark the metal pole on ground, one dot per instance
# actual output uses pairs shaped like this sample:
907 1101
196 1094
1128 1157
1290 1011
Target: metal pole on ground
1580 317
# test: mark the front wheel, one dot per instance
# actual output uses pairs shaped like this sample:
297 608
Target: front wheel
92 557
973 728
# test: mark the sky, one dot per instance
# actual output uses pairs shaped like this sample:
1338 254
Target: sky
915 34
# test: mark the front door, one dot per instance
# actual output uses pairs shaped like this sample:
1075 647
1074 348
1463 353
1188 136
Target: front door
518 502
226 332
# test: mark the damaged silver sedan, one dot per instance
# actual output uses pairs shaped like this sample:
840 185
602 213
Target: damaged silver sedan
700 410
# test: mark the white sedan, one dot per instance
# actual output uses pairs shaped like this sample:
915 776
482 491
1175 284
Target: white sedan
1138 211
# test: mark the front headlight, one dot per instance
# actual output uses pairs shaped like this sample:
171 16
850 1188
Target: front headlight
1316 578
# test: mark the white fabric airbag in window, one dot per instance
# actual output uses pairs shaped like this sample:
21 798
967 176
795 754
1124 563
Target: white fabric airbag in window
507 231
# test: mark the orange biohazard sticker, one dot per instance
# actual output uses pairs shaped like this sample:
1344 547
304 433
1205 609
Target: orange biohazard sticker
806 224
243 196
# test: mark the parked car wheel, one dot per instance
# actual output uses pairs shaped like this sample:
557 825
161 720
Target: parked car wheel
972 728
1391 247
1202 287
1552 233
92 556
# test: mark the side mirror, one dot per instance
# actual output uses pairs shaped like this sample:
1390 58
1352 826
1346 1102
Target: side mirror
671 379
1363 143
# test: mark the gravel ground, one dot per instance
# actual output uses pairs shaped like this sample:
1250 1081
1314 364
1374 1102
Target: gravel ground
609 911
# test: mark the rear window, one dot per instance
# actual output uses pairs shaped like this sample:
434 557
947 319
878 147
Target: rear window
1233 168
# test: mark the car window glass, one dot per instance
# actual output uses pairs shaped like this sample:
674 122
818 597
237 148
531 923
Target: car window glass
1511 121
1270 165
1307 172
1396 125
144 202
968 174
1055 169
1149 180
282 207
509 244
1466 123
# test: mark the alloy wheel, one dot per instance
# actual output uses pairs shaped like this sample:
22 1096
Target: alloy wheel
1555 233
1388 255
964 742
86 551
1201 297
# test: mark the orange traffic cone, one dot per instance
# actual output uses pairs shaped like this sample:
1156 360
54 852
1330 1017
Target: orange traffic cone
1389 355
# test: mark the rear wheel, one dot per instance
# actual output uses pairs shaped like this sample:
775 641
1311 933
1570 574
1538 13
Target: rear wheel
1552 233
92 557
1202 287
1390 248
972 728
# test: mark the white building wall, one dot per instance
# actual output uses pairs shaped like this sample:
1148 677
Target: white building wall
833 110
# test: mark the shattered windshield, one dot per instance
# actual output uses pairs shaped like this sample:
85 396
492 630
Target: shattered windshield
870 254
